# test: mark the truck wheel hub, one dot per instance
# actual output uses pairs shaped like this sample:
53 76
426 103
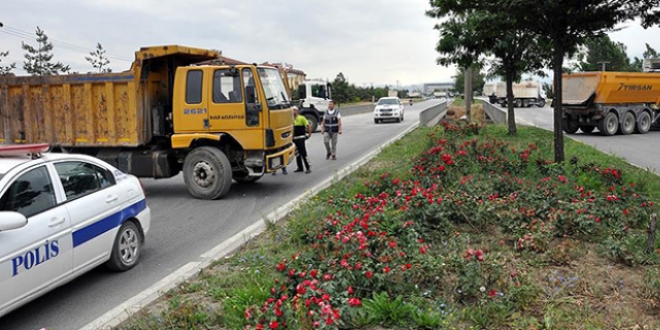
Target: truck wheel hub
203 174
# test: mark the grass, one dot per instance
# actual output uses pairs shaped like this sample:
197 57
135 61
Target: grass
461 102
574 285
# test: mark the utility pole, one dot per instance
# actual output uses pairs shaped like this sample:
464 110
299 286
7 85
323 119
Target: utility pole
468 93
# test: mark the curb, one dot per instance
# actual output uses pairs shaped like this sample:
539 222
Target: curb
122 312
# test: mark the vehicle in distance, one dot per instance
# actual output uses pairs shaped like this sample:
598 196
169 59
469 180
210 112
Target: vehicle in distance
62 215
389 108
164 116
613 102
525 94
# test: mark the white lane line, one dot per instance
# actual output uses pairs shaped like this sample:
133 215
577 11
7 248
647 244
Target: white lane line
121 313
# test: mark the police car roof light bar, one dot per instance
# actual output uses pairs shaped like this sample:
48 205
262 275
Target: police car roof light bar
32 150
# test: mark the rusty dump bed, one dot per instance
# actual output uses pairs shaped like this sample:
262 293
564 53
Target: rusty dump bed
611 88
94 110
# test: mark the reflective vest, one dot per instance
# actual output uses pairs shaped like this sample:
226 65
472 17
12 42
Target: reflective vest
331 121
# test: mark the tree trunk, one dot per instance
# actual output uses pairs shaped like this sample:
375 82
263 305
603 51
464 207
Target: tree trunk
468 94
558 113
509 104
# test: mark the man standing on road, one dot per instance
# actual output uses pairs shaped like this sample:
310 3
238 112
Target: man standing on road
330 128
301 132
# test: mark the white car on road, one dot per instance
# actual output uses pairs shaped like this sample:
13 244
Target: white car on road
389 108
62 215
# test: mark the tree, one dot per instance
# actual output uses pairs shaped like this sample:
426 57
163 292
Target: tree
38 59
478 79
603 49
6 70
471 32
340 89
98 59
547 87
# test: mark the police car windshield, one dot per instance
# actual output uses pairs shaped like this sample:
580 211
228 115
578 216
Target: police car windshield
387 102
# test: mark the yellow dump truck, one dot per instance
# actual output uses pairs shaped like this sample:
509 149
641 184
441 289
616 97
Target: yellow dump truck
624 102
164 116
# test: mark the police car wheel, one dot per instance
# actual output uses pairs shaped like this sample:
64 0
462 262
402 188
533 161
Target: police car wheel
126 249
207 173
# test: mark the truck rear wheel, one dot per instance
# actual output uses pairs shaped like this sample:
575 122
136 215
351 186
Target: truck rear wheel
541 103
207 173
627 125
609 125
570 126
313 122
518 103
643 123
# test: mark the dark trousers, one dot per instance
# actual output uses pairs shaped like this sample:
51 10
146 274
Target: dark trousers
301 154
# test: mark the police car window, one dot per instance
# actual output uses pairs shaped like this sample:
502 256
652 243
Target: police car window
30 194
80 179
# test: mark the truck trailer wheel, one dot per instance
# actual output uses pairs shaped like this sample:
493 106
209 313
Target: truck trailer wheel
627 125
609 125
643 123
541 103
313 122
207 173
570 126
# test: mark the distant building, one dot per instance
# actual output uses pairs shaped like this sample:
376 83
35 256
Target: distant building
430 88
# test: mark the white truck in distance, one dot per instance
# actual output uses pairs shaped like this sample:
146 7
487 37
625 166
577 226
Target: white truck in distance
525 94
313 98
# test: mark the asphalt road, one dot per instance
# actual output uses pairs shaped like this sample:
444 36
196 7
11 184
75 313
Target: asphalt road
184 228
638 149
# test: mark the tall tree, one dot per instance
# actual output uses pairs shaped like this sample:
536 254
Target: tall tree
98 59
38 60
341 89
5 70
603 49
470 32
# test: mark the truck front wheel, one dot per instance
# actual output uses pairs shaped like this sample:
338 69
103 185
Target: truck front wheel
570 126
207 173
313 122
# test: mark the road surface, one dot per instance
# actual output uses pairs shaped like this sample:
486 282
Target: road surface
184 228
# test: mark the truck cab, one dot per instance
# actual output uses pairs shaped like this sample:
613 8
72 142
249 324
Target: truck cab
313 97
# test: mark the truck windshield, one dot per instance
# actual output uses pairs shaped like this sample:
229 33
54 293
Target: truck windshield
276 94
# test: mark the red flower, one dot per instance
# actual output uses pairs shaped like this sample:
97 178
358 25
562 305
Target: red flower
408 266
354 302
292 272
392 244
325 297
274 325
350 290
327 277
301 289
281 267
358 266
387 269
369 274
278 312
492 293
313 273
248 315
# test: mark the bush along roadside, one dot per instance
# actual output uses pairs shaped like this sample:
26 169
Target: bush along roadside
482 231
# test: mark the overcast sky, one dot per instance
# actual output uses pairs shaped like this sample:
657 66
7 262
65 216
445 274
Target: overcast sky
376 42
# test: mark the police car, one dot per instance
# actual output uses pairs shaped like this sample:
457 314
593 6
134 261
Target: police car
62 215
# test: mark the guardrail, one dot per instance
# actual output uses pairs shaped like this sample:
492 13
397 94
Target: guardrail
356 109
431 116
497 115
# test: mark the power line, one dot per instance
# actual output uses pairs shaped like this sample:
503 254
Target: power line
63 44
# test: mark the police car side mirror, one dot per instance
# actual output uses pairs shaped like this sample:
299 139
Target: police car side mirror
12 220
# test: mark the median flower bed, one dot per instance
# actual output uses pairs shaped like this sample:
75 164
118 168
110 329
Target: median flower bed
478 231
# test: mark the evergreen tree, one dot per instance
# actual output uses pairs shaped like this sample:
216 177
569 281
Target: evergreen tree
98 59
38 60
5 70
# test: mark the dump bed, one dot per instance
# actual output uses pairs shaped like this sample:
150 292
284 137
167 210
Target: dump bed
526 90
94 110
611 88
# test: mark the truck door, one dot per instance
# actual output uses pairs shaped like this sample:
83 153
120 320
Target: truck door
227 108
191 113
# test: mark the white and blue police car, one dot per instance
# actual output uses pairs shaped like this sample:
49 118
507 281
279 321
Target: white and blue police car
62 215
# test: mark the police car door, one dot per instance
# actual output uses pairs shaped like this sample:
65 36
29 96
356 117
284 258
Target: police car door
37 256
94 202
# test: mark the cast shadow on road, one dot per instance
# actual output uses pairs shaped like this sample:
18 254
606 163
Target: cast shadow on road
176 189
